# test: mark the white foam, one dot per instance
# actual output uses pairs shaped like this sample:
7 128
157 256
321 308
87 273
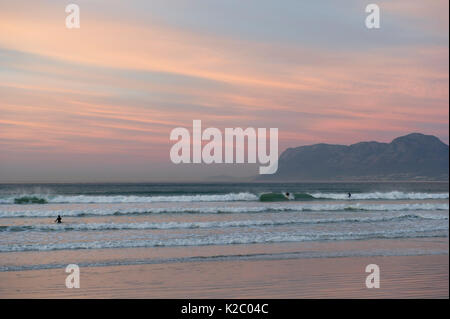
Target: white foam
243 196
40 211
217 224
395 195
234 238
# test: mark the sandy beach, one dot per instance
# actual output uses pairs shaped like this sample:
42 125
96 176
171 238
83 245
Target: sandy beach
401 277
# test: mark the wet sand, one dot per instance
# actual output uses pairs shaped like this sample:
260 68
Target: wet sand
400 277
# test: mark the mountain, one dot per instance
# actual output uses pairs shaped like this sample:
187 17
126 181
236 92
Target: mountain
412 157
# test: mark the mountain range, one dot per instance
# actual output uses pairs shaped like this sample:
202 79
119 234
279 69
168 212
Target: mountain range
411 157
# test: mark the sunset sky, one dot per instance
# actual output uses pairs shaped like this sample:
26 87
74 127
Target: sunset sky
98 103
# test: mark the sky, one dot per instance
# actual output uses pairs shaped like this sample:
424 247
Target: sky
98 103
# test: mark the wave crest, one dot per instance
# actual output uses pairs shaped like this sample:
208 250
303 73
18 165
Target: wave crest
226 209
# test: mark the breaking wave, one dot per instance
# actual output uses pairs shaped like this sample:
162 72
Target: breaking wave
212 224
395 195
234 239
242 196
225 209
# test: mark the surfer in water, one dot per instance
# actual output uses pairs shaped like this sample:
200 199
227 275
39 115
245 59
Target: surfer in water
288 195
349 194
58 219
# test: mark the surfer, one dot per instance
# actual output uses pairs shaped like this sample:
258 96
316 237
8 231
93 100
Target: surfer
288 195
349 194
58 219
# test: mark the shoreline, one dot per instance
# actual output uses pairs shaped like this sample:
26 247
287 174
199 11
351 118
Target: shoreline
423 276
57 259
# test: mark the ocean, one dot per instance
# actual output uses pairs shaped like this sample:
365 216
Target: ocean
127 224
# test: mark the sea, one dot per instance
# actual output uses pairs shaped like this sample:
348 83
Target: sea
148 223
